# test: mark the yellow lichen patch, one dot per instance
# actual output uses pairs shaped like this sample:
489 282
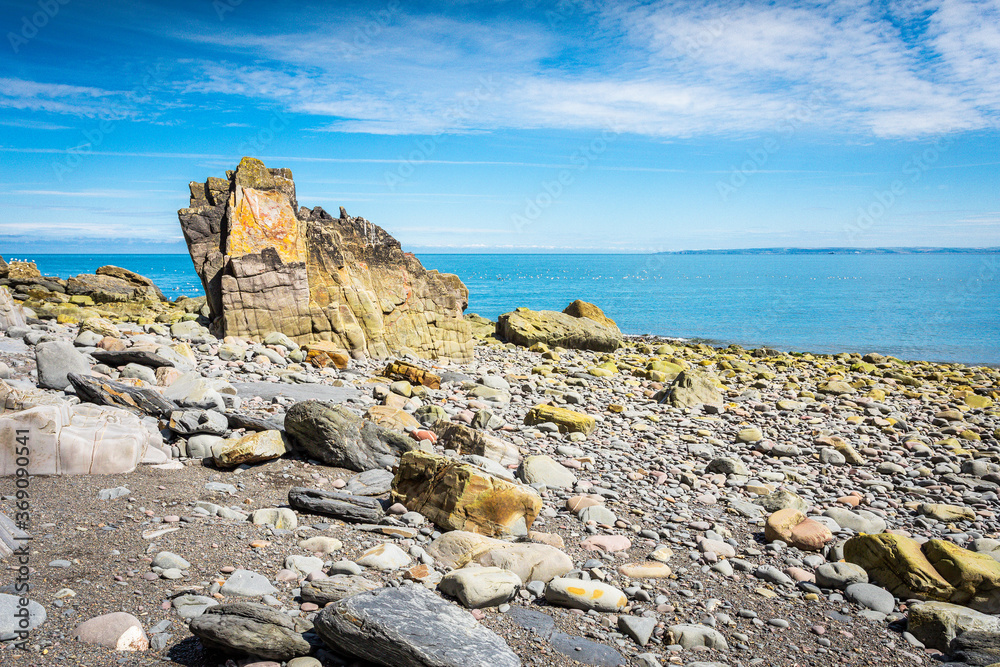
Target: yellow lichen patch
576 591
596 594
259 220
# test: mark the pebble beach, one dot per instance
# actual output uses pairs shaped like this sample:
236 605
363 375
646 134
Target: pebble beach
666 506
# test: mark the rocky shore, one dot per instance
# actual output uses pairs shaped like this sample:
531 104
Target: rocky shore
678 504
325 461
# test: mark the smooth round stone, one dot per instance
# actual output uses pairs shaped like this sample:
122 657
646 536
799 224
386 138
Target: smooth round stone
872 597
585 595
384 557
598 514
647 570
840 575
60 564
171 573
606 543
577 503
166 560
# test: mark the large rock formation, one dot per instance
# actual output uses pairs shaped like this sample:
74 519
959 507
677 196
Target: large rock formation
268 265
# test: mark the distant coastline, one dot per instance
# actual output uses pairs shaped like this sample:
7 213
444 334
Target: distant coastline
837 251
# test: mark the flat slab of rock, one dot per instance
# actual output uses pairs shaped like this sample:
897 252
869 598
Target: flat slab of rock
141 401
251 629
360 509
332 589
410 626
117 358
296 392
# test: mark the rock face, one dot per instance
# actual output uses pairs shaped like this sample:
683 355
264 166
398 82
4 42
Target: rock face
410 626
74 440
527 327
459 496
269 266
336 436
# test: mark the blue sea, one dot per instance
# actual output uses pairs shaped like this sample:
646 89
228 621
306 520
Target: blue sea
938 307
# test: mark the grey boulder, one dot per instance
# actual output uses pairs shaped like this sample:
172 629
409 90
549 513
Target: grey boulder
410 626
253 629
334 435
55 360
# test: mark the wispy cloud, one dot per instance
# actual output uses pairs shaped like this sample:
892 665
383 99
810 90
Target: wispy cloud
677 70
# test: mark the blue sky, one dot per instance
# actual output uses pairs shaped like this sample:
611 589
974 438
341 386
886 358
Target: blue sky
572 126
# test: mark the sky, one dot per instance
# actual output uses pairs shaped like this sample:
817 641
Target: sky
505 126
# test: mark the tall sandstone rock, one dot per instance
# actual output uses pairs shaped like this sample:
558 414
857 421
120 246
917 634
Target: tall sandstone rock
268 265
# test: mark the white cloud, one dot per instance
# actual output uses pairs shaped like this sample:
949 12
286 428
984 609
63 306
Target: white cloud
664 69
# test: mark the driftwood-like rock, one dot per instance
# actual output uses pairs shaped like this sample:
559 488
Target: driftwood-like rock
268 265
121 357
360 509
137 400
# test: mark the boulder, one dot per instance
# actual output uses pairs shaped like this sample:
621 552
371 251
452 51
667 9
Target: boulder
459 496
937 624
585 595
15 399
529 561
898 564
583 309
568 421
410 626
335 436
791 526
478 587
342 506
975 576
137 400
554 329
251 629
338 587
542 469
11 313
267 265
401 370
690 389
467 440
253 448
391 418
55 360
73 440
117 630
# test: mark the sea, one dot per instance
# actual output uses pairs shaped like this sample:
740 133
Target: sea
934 307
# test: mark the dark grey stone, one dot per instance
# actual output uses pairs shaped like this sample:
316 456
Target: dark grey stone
253 629
343 506
334 435
55 360
122 357
140 401
410 626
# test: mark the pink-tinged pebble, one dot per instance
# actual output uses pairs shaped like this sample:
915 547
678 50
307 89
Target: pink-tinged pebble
262 663
287 575
316 575
339 484
706 499
606 543
818 630
165 605
171 518
478 614
161 488
228 569
396 508
150 576
571 463
798 574
309 606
